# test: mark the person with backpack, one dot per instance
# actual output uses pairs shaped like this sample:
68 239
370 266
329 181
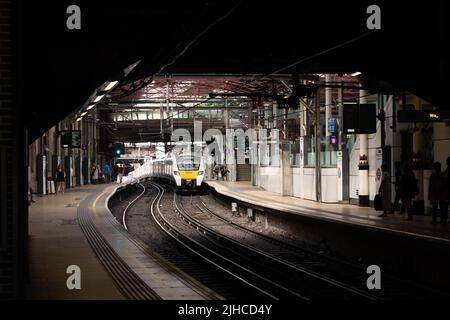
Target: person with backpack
410 189
438 193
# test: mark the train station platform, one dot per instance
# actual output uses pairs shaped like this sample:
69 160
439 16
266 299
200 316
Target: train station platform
367 217
77 228
404 249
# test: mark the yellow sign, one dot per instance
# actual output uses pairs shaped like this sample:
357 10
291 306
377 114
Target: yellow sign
433 115
188 175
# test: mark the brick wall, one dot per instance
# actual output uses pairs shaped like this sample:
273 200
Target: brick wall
13 211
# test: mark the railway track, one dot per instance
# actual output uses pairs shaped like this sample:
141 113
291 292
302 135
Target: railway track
237 262
212 254
142 225
342 274
270 275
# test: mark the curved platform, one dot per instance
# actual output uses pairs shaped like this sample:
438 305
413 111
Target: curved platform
364 217
77 228
412 250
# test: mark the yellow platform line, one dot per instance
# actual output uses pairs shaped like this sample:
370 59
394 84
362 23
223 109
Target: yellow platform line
94 204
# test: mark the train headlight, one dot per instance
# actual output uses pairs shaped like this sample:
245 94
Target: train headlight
176 173
201 172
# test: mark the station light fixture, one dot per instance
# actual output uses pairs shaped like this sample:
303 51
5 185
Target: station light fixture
83 114
110 85
79 119
90 106
100 97
354 74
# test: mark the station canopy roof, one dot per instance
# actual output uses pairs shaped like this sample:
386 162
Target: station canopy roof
59 68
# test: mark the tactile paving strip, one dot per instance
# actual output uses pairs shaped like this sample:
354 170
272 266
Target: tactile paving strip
129 284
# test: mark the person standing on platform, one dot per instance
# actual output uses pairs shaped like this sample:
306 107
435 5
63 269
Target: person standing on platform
398 189
409 189
385 189
437 193
106 172
94 174
114 172
225 172
216 171
60 180
120 170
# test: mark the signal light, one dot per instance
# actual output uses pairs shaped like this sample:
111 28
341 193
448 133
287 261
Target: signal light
119 149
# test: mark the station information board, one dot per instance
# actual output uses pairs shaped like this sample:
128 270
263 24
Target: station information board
71 139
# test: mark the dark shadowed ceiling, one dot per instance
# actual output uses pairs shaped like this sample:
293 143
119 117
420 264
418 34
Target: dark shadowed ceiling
60 68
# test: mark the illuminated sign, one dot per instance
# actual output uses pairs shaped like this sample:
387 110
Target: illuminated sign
333 140
332 125
422 115
433 115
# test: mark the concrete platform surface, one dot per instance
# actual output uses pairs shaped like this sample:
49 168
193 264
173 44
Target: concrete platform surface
420 226
57 241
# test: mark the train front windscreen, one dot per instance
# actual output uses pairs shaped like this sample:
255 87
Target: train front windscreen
187 164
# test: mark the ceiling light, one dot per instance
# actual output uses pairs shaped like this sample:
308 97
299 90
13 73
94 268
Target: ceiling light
90 107
79 119
99 98
110 85
83 114
357 73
